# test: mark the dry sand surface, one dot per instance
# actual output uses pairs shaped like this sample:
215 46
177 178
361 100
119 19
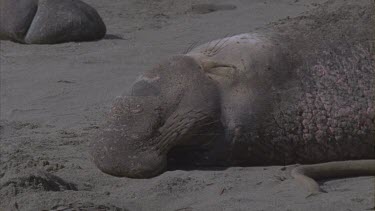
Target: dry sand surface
54 98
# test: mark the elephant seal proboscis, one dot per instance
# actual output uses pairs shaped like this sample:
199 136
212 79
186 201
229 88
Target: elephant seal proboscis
302 91
49 21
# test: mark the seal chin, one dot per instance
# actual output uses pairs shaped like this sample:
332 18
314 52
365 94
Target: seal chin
141 165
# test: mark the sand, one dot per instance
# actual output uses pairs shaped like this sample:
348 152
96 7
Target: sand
55 97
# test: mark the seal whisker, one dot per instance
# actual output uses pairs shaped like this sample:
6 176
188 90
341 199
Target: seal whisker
191 46
208 123
207 47
217 43
179 126
220 47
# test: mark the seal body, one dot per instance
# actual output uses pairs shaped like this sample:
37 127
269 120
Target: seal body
49 21
301 91
300 96
279 111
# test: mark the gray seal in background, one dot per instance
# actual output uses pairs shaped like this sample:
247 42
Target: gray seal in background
49 21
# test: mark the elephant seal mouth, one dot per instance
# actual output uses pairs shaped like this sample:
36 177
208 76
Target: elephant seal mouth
181 127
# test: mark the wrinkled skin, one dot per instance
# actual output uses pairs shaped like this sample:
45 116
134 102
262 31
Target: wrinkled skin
265 98
49 21
164 106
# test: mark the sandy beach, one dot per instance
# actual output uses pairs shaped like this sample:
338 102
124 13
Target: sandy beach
55 97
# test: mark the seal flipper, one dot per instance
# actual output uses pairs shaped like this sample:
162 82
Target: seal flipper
307 174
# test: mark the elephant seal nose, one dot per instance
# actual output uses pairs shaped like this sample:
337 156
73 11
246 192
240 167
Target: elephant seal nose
122 161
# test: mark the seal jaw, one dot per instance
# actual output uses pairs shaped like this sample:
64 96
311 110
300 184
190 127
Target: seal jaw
140 165
124 146
126 154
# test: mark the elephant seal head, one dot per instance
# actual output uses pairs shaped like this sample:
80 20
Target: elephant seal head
166 107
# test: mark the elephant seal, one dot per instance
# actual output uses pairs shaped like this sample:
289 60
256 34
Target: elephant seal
49 21
299 91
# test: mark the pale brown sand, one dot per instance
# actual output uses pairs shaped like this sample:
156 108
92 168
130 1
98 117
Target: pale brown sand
54 97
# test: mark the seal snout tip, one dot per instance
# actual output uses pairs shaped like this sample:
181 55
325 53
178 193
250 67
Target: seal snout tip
132 165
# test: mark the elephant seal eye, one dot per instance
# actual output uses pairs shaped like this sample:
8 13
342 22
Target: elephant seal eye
144 88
